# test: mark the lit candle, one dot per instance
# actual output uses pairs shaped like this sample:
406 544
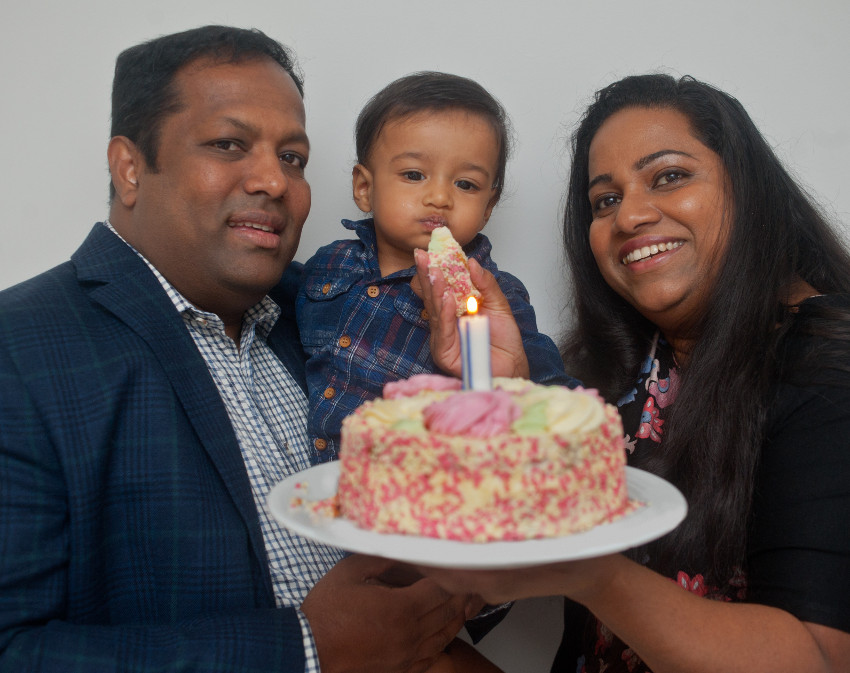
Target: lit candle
475 348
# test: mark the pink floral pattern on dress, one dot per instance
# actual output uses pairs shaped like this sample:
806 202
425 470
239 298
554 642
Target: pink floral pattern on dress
664 390
695 585
650 423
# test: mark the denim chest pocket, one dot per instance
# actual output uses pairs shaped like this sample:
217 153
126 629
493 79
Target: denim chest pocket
321 307
413 311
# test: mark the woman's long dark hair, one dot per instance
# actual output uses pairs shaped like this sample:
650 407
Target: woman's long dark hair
716 427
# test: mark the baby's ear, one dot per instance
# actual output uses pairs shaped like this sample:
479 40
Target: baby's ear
361 187
489 211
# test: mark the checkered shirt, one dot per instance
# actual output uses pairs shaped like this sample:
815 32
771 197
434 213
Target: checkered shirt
361 330
268 411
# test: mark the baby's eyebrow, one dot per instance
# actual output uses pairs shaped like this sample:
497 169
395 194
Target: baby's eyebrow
408 155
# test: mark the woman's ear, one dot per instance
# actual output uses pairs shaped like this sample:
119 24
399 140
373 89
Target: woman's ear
361 187
125 166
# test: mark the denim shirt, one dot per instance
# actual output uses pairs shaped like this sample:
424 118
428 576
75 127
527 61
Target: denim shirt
360 330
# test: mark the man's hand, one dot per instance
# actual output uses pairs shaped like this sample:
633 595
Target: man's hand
507 354
375 615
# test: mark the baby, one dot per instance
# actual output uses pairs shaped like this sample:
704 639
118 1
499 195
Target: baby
431 150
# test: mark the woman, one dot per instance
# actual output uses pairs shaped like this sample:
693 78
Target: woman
713 303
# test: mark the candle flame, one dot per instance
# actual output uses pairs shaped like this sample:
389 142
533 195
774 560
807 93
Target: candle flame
471 305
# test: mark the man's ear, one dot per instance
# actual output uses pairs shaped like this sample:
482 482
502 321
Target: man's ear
361 187
125 167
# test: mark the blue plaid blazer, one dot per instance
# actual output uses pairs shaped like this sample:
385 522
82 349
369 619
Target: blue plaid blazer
129 538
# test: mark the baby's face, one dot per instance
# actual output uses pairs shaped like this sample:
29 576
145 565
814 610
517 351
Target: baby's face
428 170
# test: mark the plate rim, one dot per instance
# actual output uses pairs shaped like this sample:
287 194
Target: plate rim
663 508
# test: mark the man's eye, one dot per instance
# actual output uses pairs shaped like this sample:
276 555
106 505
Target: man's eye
227 145
293 159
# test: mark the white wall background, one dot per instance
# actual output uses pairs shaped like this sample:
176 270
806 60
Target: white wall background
788 62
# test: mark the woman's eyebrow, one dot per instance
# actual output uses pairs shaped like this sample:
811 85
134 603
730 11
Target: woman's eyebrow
641 163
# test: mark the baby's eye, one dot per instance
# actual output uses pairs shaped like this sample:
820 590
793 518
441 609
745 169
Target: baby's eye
414 176
293 159
466 185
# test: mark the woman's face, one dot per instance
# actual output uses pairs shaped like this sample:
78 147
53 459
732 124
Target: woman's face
660 213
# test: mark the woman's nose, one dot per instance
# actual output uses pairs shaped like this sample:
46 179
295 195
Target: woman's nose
635 210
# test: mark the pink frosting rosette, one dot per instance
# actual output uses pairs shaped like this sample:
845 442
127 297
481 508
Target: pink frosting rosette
485 413
416 384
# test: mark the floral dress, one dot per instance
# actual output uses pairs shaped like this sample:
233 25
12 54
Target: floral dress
643 411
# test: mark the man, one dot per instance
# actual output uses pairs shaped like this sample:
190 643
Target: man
151 393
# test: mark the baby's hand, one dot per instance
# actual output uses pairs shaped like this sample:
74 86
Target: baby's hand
507 354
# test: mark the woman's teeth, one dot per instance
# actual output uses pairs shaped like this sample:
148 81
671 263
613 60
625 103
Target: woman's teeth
649 250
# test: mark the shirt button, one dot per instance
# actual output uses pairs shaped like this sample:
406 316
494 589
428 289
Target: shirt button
329 393
320 444
345 341
424 314
373 291
326 288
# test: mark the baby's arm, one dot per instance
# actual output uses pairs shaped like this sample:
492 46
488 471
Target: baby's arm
507 354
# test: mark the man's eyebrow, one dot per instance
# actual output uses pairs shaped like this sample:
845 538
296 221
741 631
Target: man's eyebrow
641 163
301 136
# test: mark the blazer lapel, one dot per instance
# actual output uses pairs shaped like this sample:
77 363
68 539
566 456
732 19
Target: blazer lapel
123 284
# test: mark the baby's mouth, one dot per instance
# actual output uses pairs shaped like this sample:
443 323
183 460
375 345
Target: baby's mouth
434 222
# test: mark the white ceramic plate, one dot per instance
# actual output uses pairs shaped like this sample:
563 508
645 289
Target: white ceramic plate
663 509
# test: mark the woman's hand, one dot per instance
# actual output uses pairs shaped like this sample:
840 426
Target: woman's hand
507 354
570 578
672 629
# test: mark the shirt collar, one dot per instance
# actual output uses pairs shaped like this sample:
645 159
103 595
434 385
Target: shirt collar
479 247
264 313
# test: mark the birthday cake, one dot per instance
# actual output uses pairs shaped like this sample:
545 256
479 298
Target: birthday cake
517 462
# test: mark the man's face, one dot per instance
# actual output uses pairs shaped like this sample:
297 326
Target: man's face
221 215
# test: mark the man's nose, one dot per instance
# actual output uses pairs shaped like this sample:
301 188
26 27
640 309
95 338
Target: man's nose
266 175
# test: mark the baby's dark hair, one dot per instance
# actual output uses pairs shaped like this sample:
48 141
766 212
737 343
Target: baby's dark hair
433 91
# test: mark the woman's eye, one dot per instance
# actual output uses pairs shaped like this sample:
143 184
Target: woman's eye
605 201
669 178
466 185
293 159
414 176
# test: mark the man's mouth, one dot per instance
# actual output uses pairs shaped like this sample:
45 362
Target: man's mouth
253 225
